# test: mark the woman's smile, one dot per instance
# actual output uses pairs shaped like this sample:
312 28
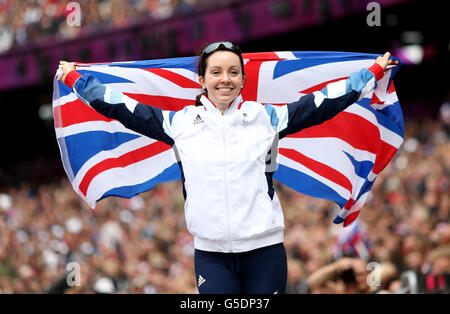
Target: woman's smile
225 90
223 78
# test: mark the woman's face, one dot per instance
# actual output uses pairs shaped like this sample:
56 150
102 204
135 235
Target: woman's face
223 77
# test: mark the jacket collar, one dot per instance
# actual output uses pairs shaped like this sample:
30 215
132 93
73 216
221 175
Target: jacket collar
209 105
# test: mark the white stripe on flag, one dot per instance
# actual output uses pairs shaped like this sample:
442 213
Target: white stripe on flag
64 99
146 82
108 126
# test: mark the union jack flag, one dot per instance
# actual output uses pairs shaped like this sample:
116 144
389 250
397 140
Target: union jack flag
337 160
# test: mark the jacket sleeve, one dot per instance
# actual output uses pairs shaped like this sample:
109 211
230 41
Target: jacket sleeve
144 119
319 106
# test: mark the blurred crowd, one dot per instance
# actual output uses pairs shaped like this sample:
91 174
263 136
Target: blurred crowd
32 21
400 243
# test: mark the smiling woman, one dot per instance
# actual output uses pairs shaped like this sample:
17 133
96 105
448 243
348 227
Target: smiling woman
231 208
221 73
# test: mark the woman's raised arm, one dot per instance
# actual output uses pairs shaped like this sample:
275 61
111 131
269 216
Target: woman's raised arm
144 119
319 106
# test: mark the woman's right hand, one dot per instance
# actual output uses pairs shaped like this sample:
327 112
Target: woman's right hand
66 67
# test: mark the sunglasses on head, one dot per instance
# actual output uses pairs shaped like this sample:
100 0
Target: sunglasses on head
226 44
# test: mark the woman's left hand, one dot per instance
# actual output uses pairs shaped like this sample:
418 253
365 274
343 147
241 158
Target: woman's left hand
66 67
384 61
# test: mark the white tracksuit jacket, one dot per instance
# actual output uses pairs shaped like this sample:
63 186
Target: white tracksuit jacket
227 160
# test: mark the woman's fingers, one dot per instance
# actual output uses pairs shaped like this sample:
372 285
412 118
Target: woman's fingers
393 62
65 67
387 56
385 60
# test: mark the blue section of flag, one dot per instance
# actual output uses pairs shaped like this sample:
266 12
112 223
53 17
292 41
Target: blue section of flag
393 71
365 188
338 220
82 146
383 118
395 114
362 168
169 174
64 90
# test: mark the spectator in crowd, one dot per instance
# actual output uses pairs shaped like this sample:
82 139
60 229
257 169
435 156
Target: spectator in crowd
346 275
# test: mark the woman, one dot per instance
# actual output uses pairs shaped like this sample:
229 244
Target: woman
224 146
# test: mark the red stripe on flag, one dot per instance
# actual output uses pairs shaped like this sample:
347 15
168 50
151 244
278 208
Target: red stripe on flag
361 135
376 100
350 218
176 78
57 120
250 90
349 204
320 86
318 167
391 87
122 161
384 156
76 111
251 69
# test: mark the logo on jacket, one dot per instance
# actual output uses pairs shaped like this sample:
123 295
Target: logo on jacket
201 280
198 120
244 118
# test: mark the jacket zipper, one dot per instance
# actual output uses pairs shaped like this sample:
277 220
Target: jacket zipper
225 181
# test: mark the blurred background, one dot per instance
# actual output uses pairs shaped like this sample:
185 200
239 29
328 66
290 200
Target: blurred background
141 245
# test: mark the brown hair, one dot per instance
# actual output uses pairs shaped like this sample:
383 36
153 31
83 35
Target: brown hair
202 64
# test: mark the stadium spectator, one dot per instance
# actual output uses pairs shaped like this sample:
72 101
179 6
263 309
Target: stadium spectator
346 275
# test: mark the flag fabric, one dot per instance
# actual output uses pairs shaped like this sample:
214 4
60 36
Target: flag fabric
337 160
352 242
